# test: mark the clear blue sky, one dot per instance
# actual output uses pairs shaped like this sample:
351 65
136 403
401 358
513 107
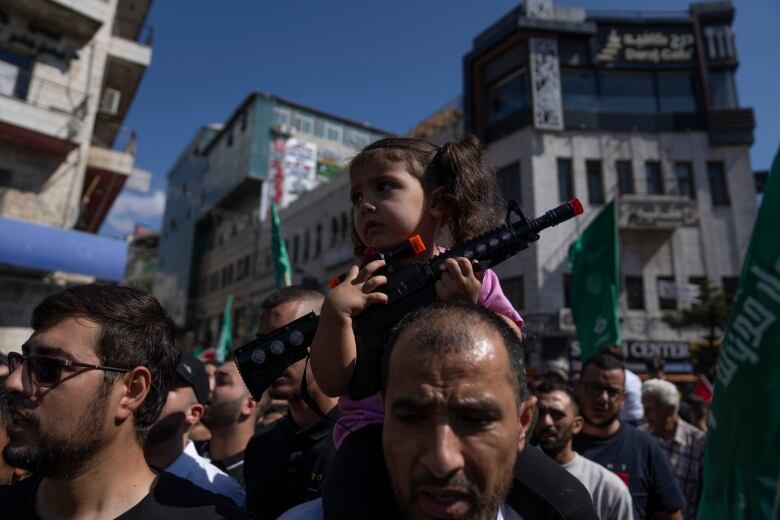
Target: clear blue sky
385 63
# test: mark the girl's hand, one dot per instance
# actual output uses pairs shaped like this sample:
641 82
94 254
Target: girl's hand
459 282
355 293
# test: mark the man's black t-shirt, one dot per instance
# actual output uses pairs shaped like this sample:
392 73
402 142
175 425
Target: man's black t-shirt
171 498
638 459
233 466
542 489
284 467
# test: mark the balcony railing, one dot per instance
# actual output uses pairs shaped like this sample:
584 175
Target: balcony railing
134 30
43 93
124 138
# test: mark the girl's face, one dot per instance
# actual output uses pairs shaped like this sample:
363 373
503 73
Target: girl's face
389 205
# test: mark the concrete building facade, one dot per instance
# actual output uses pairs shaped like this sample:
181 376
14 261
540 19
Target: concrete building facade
639 108
68 73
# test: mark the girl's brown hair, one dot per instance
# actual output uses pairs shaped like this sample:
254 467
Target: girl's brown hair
469 185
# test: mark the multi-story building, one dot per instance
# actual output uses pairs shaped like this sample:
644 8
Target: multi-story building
142 252
68 73
215 228
639 108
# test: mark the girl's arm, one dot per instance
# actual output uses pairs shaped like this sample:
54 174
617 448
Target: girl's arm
333 350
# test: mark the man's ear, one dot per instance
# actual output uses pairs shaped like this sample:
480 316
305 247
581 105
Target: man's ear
526 416
577 425
249 405
134 387
439 207
194 413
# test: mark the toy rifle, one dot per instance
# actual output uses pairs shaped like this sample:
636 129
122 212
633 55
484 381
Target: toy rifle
409 287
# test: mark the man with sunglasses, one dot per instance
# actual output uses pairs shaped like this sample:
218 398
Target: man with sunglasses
633 455
79 401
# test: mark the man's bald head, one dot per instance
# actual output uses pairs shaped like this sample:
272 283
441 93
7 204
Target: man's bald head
452 327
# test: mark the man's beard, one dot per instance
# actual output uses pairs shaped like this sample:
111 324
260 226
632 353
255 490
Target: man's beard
482 506
222 415
553 446
60 458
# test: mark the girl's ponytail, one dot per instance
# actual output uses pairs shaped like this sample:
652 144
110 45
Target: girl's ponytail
470 188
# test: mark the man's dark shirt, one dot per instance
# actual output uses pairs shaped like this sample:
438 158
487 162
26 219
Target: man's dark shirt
637 459
284 467
542 489
233 466
172 497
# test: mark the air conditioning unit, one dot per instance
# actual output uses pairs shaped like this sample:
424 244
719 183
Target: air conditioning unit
109 103
283 129
566 320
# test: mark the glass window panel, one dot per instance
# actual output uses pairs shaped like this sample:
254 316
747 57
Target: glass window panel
635 291
718 189
595 182
507 97
722 89
565 180
509 183
578 89
665 304
625 175
684 173
676 92
655 181
573 52
627 92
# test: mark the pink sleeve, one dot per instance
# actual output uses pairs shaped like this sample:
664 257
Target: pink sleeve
492 297
357 414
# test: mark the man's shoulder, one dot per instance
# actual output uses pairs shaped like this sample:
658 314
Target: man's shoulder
542 486
604 477
174 495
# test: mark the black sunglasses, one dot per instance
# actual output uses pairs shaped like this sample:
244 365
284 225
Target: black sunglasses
46 371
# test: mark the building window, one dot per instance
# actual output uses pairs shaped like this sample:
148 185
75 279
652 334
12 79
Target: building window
303 124
281 116
718 189
332 132
565 180
635 292
627 92
684 173
227 275
306 240
318 242
344 226
676 92
723 91
230 138
334 231
625 175
578 90
573 52
213 281
595 182
15 73
666 299
507 96
567 285
514 290
730 285
655 181
509 183
296 241
355 139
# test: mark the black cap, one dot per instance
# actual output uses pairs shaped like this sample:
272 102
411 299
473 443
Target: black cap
191 370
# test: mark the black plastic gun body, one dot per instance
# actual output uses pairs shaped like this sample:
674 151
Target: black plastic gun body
409 287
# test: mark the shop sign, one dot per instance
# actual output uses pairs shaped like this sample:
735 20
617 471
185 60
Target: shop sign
617 45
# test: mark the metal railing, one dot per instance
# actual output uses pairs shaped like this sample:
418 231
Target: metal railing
132 29
43 93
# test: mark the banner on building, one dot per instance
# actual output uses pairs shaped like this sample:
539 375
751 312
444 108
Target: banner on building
293 169
595 268
742 466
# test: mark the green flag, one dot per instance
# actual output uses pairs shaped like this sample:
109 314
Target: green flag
742 461
226 334
595 268
279 251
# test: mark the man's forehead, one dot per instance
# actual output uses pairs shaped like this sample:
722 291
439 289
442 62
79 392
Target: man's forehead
72 337
279 315
616 375
556 400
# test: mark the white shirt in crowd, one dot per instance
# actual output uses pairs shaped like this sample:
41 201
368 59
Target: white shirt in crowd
610 494
201 472
632 410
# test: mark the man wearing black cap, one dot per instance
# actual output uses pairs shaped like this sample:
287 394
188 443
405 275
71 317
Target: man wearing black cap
168 446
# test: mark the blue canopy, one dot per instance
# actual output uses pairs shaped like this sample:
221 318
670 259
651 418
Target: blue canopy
34 246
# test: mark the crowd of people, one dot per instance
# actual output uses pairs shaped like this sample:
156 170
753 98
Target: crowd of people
105 417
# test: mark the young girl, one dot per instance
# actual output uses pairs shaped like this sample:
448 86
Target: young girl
399 187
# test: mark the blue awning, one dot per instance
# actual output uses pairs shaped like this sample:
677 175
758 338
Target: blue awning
45 248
